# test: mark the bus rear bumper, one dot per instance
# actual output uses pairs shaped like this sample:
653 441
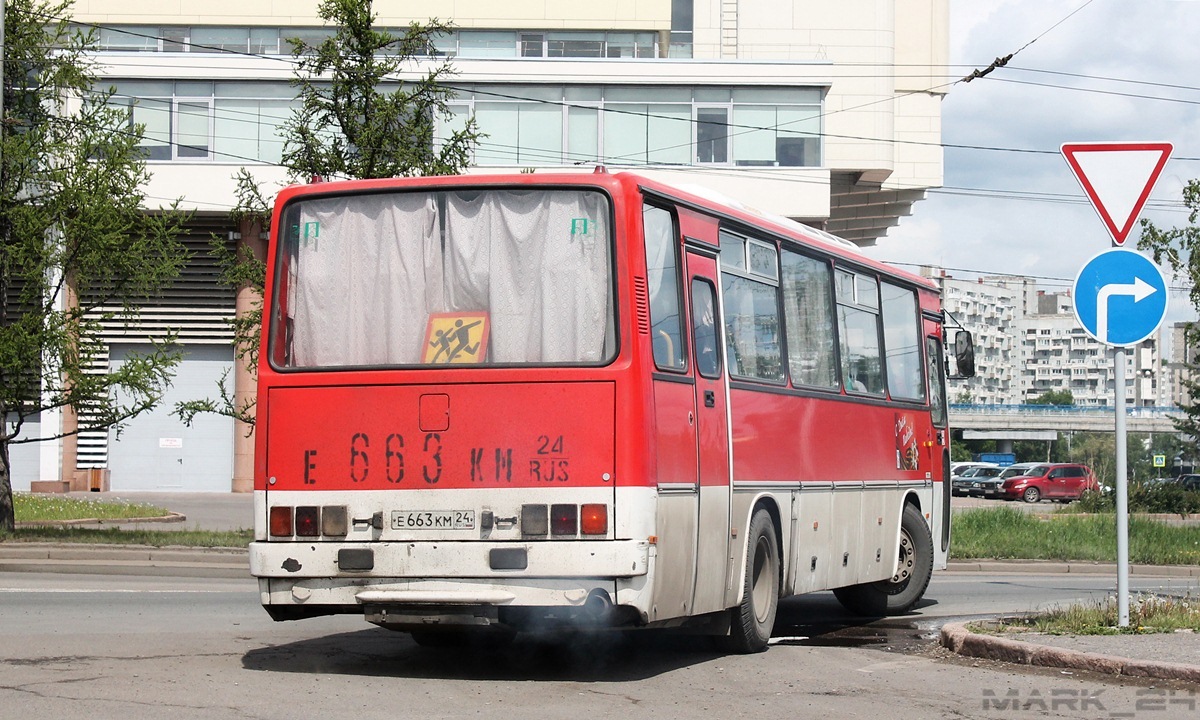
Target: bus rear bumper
452 584
428 560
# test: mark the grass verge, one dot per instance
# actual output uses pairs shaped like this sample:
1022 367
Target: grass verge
34 507
1147 614
116 536
1004 533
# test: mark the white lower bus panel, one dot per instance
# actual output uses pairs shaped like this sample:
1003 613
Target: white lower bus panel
411 585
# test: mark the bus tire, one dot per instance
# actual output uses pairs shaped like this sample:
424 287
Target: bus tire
899 594
752 620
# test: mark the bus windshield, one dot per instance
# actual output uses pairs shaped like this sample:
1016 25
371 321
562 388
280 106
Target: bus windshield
471 276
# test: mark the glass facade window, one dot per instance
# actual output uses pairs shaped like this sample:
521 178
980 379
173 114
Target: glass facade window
533 125
223 121
128 38
533 45
176 39
486 44
264 41
468 43
712 135
575 45
194 129
216 39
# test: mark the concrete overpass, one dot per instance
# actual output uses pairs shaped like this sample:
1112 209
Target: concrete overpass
1022 421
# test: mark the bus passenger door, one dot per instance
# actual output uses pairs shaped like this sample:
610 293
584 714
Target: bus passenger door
712 435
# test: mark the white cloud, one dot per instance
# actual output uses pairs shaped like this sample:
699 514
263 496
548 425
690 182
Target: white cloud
1153 42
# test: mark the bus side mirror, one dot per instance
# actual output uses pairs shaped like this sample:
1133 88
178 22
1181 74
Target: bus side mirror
964 354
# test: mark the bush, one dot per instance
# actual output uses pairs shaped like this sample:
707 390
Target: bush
1144 498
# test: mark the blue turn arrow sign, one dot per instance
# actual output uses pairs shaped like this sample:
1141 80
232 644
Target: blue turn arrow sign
1120 297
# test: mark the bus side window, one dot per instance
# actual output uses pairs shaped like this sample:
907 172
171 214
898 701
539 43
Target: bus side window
750 306
808 318
901 344
704 328
662 276
858 332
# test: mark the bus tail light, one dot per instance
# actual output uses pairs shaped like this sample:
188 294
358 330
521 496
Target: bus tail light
593 519
308 521
564 519
281 521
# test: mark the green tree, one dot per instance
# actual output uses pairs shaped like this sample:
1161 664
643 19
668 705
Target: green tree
77 249
1178 249
1054 397
1097 450
357 119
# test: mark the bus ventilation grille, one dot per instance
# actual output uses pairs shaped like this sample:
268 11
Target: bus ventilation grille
643 305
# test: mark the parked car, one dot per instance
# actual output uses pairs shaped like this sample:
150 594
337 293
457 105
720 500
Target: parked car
993 487
968 482
1054 481
1189 482
959 468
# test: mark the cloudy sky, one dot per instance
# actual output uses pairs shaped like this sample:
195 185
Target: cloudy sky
1115 70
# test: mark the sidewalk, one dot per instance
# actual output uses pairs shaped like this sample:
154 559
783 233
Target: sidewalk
1166 656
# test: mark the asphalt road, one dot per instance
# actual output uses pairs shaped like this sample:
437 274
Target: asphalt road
147 647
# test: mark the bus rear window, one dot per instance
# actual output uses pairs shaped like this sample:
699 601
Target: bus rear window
487 277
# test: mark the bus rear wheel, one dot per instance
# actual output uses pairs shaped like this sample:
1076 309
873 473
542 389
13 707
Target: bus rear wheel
899 594
751 622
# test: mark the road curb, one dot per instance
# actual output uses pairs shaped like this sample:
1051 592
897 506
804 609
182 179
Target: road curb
170 517
1055 567
957 638
125 560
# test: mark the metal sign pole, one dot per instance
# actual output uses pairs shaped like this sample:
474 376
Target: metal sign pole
1122 495
1118 178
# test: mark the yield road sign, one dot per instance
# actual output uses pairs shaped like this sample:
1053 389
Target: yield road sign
1120 297
1117 177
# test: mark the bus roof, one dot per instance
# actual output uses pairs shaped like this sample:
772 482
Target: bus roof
694 196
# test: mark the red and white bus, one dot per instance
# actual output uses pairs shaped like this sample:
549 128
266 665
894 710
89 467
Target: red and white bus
500 403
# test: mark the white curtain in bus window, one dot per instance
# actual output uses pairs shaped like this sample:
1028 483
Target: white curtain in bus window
808 313
858 330
538 263
901 342
363 271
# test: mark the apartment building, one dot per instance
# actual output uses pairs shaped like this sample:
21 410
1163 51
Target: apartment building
990 312
1182 366
828 113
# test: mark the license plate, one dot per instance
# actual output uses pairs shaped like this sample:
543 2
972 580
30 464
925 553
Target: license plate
433 519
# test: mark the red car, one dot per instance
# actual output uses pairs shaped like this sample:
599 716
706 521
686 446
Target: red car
1053 481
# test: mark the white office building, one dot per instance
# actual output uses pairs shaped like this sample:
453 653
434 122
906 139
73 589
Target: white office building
827 112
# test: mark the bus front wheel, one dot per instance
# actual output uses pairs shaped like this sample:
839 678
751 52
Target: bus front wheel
899 594
753 619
